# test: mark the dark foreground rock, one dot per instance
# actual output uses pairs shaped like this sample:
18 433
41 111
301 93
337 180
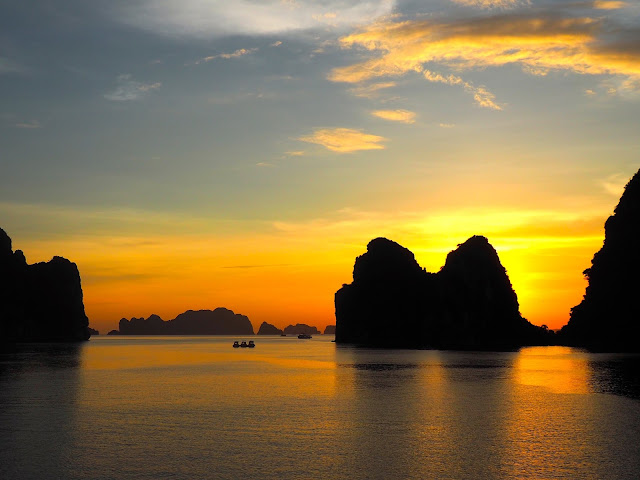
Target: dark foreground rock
268 329
608 318
220 321
301 328
41 302
469 304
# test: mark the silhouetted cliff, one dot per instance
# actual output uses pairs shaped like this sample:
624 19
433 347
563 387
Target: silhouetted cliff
41 302
93 332
299 328
329 330
268 329
220 321
608 318
469 304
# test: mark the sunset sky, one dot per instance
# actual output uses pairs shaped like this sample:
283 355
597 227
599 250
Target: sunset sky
194 154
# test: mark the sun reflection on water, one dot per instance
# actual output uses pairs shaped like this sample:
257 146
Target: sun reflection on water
558 369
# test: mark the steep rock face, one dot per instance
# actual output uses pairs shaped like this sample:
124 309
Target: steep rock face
41 302
478 306
608 318
329 330
301 328
469 304
387 303
220 321
268 329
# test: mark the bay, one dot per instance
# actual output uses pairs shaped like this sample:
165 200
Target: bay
194 407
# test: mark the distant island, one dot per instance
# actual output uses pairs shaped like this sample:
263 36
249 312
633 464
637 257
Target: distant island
608 318
329 330
469 304
220 321
268 329
41 302
301 328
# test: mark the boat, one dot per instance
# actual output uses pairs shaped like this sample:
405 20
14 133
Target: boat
236 344
304 335
251 344
244 344
283 334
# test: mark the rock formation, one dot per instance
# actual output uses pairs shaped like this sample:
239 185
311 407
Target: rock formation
93 332
41 302
268 329
469 304
220 321
608 318
301 328
329 330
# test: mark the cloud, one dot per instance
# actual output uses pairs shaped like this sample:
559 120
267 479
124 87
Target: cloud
447 125
372 90
489 3
128 89
344 140
538 44
295 153
8 66
30 125
404 116
237 53
481 95
265 164
276 44
614 184
609 4
208 19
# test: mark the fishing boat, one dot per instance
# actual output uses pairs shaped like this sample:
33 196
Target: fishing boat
243 344
236 344
251 344
304 335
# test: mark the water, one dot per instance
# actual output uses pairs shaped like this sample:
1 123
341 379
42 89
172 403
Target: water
194 407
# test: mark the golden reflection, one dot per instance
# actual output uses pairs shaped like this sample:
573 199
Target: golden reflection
559 369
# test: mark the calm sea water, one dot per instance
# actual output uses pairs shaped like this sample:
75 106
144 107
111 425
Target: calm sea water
194 407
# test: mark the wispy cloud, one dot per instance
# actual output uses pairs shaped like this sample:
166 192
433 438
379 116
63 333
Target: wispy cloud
404 116
609 4
614 184
481 95
538 44
128 89
295 153
447 125
265 165
205 18
29 124
490 3
345 140
241 52
9 66
372 90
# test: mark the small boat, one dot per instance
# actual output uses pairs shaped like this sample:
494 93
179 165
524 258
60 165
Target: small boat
304 335
251 344
283 334
244 344
236 344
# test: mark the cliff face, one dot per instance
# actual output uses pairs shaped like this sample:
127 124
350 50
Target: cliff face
469 304
220 321
268 329
41 302
608 318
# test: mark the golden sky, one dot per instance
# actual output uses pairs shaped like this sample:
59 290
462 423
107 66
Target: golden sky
199 154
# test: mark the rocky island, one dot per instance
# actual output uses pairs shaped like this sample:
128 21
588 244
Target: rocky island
268 329
41 302
608 318
301 328
220 321
470 304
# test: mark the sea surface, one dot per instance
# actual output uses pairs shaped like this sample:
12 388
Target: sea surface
194 407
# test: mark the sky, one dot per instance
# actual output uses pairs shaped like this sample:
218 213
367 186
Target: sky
197 154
